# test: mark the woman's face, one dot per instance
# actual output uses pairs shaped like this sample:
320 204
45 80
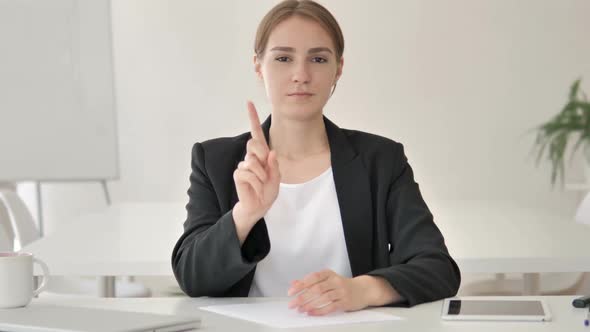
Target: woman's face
299 68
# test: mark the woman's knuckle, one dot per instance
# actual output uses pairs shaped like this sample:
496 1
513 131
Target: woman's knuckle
250 145
316 289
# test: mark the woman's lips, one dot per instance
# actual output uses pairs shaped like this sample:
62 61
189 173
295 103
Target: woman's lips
300 94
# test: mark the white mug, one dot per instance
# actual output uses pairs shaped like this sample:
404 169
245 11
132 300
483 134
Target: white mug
16 279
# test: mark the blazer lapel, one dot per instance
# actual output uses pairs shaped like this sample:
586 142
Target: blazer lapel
354 197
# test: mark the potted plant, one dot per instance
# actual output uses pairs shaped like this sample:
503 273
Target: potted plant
573 122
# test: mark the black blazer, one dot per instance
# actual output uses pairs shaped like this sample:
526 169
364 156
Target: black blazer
388 228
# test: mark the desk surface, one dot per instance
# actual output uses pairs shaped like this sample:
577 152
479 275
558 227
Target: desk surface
497 237
425 317
483 237
129 239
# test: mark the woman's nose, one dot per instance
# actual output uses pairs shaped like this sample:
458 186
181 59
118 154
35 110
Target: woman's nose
301 73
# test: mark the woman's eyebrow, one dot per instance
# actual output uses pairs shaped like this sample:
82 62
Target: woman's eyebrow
310 51
319 50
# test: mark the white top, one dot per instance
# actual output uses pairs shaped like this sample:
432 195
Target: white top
306 235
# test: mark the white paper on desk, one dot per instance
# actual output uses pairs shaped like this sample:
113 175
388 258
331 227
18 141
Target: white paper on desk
277 314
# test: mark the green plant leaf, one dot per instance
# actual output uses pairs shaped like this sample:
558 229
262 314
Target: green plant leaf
553 136
574 89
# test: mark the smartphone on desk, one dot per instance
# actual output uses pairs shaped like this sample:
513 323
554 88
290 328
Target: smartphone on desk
494 308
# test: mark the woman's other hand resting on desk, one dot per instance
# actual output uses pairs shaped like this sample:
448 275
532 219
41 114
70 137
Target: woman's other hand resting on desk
324 292
257 179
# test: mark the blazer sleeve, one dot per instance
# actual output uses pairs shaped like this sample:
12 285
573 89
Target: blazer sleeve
421 269
207 260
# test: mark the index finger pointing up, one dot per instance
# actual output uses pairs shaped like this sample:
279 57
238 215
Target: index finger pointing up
255 127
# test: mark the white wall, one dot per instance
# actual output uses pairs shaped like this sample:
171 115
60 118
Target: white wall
459 82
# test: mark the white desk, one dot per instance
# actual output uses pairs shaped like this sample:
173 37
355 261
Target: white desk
500 237
421 318
137 239
134 239
129 239
491 237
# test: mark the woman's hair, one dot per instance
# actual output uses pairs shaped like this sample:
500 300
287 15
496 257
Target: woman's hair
302 8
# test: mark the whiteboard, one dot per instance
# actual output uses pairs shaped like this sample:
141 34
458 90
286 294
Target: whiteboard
57 101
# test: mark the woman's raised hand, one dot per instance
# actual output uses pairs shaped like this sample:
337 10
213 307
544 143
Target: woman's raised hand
257 177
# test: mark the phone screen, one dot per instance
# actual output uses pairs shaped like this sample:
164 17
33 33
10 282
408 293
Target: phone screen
493 308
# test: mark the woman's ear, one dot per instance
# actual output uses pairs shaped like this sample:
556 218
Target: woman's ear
257 67
339 70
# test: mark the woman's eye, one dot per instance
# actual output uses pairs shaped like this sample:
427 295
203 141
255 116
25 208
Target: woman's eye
319 59
282 59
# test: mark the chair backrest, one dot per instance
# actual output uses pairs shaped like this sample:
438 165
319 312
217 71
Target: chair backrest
22 221
6 232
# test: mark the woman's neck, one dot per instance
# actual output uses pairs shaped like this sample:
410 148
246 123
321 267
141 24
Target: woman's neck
294 139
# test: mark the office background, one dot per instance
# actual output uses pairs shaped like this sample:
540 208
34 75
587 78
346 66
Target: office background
459 82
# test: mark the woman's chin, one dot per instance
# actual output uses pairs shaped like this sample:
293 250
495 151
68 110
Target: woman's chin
300 112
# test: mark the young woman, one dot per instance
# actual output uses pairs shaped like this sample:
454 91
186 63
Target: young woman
300 207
